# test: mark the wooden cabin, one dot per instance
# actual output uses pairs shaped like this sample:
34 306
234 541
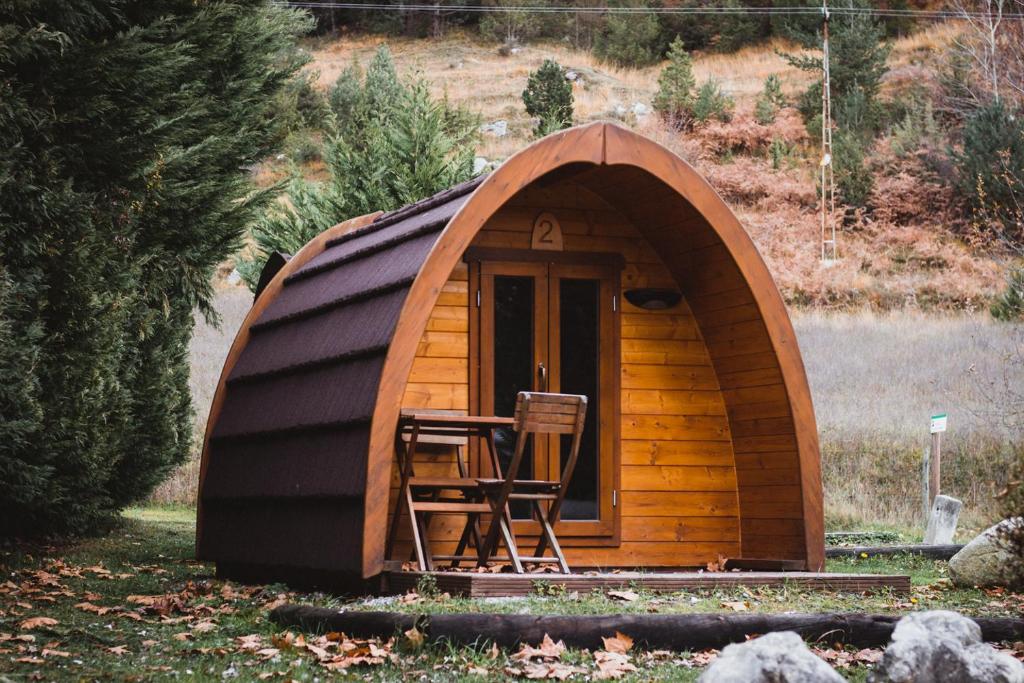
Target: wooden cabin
595 253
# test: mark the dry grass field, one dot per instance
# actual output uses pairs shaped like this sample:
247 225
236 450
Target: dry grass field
471 73
875 380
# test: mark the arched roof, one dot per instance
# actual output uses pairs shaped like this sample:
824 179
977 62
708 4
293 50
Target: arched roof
298 453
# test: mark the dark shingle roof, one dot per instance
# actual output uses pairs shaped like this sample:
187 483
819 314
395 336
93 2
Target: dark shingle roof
291 439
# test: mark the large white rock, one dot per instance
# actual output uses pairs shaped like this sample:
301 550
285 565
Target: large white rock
982 562
943 647
780 657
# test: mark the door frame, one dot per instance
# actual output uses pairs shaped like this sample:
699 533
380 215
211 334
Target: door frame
606 531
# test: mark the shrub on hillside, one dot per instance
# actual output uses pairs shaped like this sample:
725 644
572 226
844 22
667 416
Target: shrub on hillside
380 159
674 99
123 185
742 133
712 102
630 40
548 97
991 171
1009 305
854 180
769 101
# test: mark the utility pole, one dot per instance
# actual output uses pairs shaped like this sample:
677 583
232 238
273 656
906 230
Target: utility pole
828 185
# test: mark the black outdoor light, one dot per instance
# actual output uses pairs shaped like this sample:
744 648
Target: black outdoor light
653 298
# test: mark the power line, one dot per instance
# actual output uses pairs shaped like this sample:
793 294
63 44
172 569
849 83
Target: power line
733 10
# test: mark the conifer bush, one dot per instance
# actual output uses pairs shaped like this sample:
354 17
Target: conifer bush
383 153
630 40
548 97
675 98
769 101
712 102
126 129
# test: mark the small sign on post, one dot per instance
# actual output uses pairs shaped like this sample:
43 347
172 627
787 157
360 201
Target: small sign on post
938 425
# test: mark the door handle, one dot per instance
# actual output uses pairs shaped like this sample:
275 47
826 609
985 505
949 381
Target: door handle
543 373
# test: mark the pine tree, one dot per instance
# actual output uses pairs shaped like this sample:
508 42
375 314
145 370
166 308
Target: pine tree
769 101
675 97
630 40
127 127
380 160
548 97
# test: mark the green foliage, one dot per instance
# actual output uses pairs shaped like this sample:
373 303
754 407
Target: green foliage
512 26
1012 507
379 159
917 129
736 30
854 180
122 187
769 101
548 96
857 64
345 96
711 102
674 99
1009 305
991 170
778 151
630 39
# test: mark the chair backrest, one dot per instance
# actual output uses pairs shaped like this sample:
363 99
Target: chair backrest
542 413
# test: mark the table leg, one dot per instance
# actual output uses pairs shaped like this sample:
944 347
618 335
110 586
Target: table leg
405 457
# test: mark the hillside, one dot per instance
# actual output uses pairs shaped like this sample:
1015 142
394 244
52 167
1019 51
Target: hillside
904 253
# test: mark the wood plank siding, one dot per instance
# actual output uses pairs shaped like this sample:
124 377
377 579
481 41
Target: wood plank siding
677 495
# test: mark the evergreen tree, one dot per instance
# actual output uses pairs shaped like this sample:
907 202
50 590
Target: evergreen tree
675 97
769 101
991 170
630 39
712 102
126 128
378 161
548 96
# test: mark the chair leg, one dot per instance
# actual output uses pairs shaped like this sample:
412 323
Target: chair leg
547 532
417 545
467 532
510 544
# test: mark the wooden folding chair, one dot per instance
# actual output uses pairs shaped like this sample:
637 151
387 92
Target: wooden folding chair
536 413
423 497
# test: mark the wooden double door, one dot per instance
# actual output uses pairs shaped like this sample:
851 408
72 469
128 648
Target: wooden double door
554 327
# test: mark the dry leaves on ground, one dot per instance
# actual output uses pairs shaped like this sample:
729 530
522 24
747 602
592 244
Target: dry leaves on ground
623 595
548 650
37 622
842 659
737 605
620 643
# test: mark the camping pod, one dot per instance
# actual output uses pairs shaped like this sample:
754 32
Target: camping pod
594 261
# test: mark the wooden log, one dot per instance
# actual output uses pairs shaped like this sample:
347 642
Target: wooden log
357 624
679 632
936 552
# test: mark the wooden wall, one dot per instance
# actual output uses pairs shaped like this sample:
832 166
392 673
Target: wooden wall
678 495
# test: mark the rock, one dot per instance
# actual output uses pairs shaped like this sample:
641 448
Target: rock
780 657
498 129
571 75
640 110
942 521
479 165
943 646
234 277
981 562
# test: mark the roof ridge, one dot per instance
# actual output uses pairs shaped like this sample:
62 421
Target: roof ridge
425 204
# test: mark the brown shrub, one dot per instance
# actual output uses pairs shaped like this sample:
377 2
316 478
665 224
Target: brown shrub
744 134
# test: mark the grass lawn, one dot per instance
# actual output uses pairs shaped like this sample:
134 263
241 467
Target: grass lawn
134 606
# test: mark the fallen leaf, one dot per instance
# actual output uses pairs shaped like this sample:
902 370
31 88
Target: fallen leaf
737 605
89 607
620 643
204 627
251 642
47 652
612 665
548 649
493 652
183 636
477 671
36 622
30 660
118 650
415 638
624 595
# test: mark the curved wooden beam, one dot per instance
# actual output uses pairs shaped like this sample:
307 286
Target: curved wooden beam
597 144
269 293
625 147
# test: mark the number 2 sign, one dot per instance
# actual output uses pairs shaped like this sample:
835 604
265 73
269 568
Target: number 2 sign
547 233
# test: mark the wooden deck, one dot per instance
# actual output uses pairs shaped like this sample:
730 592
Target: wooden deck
474 585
